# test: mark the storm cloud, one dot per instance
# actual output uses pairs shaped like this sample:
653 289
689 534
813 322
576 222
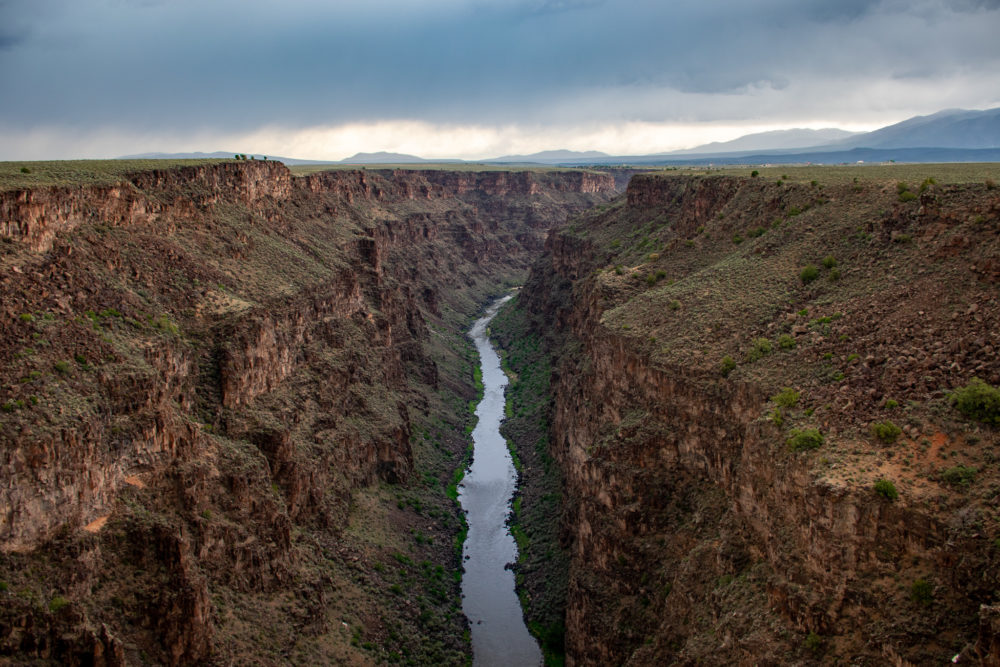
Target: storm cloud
155 71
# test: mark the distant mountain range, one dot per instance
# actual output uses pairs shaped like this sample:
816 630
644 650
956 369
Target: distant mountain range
555 157
953 135
782 140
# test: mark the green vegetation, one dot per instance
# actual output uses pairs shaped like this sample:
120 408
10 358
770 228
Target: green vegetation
904 192
962 476
727 365
886 431
808 274
759 348
804 439
57 603
978 400
164 324
829 261
786 398
786 342
61 367
886 489
656 277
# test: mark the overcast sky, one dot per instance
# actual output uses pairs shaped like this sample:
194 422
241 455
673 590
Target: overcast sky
325 79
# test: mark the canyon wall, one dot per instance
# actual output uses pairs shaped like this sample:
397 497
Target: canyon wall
202 366
699 530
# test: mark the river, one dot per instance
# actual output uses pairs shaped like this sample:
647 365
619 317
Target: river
499 636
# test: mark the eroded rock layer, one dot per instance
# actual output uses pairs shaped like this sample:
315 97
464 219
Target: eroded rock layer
702 329
200 369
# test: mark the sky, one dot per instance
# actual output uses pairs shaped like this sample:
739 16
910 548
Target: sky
472 79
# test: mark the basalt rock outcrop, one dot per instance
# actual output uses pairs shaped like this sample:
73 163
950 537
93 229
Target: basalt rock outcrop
700 530
199 369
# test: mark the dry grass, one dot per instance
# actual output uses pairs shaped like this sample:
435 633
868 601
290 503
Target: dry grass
952 172
82 172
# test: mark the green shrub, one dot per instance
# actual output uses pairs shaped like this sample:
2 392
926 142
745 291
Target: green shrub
61 367
754 174
27 317
804 439
829 261
907 196
886 431
813 642
886 489
786 398
757 232
80 359
759 348
674 305
727 366
619 270
786 342
25 170
922 592
163 323
808 274
57 603
778 417
959 475
737 239
891 404
834 275
978 400
928 182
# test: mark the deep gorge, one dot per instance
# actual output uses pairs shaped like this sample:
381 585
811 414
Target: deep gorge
235 400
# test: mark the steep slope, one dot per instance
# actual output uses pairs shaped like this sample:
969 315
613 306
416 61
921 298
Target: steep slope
233 401
751 416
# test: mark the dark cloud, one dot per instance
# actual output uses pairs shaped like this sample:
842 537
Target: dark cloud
9 40
240 64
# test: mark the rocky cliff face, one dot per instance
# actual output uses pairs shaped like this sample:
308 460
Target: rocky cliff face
699 528
200 369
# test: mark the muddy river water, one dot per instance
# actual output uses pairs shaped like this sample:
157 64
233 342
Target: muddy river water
499 636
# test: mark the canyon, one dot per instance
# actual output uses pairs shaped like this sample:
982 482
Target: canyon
235 400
